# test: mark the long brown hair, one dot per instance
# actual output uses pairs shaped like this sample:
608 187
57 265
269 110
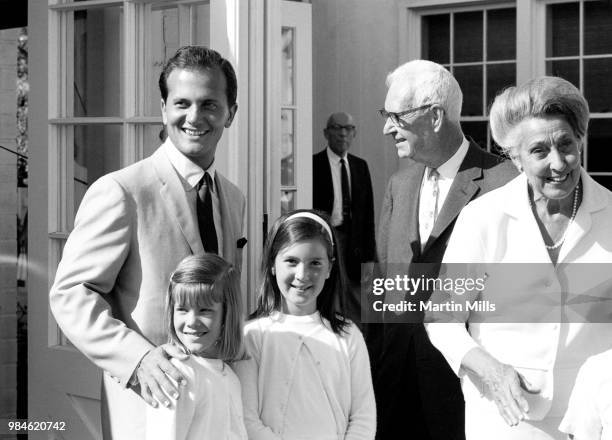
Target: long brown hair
286 231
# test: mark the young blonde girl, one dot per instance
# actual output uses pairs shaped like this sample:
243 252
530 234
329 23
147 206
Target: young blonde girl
308 376
204 317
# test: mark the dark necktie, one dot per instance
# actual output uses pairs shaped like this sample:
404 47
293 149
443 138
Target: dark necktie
346 194
206 220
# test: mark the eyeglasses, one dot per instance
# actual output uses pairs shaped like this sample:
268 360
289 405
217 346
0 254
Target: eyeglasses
396 117
338 127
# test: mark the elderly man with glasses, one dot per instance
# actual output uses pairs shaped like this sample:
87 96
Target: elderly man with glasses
417 394
342 188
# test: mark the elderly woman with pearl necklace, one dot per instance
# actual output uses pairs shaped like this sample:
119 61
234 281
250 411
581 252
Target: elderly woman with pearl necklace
517 376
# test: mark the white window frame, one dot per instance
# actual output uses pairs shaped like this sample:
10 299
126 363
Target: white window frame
410 30
135 51
580 58
530 38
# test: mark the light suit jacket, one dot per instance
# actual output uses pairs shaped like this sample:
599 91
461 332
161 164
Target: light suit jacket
500 228
132 229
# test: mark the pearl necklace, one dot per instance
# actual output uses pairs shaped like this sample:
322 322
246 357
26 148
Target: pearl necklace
574 210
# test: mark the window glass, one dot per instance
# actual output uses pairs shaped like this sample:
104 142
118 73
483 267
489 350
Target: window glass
499 76
567 69
153 136
97 151
287 38
98 46
201 26
477 131
436 38
481 74
470 81
598 84
469 47
598 144
287 148
164 39
597 27
287 201
562 36
501 35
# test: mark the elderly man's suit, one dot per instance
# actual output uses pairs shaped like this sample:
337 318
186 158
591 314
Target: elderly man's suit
132 229
417 394
362 247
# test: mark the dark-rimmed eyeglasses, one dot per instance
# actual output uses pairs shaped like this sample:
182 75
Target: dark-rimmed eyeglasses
396 117
338 127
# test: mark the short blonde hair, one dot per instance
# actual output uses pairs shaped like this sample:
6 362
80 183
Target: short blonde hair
430 83
200 280
537 98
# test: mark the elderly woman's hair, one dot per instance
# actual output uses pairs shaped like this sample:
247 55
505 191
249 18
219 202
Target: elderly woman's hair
538 98
430 83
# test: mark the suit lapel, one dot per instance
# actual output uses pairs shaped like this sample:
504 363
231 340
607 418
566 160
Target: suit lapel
175 198
593 200
461 192
411 190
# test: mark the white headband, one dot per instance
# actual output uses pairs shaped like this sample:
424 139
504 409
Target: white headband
317 219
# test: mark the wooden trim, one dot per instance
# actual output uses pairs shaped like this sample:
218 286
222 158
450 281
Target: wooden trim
256 193
273 127
89 4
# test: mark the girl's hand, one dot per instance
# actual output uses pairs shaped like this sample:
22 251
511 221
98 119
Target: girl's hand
153 373
503 384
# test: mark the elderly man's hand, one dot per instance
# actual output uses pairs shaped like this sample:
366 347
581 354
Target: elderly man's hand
503 384
153 375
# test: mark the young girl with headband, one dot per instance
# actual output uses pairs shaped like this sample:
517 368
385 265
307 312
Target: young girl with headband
308 376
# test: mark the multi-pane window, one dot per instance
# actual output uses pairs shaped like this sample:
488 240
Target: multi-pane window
479 48
579 49
104 102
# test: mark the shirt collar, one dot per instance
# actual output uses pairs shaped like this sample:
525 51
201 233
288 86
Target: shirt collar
188 170
449 169
333 157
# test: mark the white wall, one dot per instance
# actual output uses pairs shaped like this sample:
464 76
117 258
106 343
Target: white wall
355 45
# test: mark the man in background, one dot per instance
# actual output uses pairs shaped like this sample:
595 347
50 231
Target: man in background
342 188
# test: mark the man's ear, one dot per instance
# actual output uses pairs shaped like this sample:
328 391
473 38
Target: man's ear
232 112
163 112
437 117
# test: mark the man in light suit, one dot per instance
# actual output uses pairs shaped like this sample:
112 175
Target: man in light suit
132 229
417 393
350 205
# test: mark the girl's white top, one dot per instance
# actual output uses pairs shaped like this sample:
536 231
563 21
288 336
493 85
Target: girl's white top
303 381
589 413
209 407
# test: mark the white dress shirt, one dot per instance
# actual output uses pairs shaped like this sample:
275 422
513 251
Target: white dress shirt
447 172
336 172
191 174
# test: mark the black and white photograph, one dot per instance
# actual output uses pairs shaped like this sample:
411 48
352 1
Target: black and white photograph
305 219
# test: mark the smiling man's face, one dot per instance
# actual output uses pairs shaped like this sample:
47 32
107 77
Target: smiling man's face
196 111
